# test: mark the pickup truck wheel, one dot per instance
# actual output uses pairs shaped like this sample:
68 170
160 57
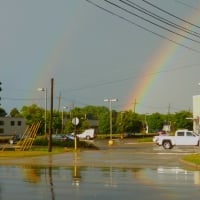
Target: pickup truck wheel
167 145
87 137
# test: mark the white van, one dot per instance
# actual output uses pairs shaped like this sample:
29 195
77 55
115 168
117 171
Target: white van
88 134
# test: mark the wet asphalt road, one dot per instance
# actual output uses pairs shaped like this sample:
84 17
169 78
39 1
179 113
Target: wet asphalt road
124 153
124 170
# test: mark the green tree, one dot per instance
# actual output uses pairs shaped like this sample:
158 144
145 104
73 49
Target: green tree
134 124
181 121
68 127
57 122
94 112
104 123
15 113
2 112
77 112
129 122
32 114
80 113
155 122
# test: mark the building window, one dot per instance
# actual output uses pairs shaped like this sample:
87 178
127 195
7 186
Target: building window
12 123
1 130
19 123
1 123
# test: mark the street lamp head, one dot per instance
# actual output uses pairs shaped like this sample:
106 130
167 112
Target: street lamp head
114 100
41 89
111 100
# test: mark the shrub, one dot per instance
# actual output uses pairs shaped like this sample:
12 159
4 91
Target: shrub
43 141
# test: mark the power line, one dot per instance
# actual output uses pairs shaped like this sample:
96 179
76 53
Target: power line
161 19
153 5
151 22
185 4
21 99
142 27
161 107
102 83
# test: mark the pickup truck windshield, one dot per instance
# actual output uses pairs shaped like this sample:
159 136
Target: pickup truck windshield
190 134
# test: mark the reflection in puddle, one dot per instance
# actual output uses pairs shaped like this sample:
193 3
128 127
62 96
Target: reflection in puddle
178 172
51 182
111 181
31 174
76 173
28 182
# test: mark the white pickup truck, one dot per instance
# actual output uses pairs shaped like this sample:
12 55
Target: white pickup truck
182 137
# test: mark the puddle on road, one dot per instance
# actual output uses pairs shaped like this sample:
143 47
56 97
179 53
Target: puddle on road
89 182
28 182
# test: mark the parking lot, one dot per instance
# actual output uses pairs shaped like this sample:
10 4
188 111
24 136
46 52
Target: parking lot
149 147
123 153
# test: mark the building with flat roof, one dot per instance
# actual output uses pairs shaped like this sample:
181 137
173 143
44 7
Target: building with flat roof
12 126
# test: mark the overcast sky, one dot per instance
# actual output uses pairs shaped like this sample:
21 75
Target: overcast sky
94 54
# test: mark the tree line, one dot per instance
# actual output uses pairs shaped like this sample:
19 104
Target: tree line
122 121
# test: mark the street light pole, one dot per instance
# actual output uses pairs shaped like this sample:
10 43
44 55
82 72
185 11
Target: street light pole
110 109
64 107
45 114
146 123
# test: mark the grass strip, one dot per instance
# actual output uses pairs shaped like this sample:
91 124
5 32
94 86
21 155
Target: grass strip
37 151
193 158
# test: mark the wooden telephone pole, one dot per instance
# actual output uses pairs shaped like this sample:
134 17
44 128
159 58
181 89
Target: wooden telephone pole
134 107
51 118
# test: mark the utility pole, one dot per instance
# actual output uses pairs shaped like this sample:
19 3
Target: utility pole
110 142
134 107
169 108
51 118
168 118
59 99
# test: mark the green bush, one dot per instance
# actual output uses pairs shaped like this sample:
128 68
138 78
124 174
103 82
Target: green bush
42 141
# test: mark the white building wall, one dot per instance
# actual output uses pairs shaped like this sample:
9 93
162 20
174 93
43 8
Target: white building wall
12 126
196 113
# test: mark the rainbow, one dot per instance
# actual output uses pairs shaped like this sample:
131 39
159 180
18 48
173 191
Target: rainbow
160 59
48 65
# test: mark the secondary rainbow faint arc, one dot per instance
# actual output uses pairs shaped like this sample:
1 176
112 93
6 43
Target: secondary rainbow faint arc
49 64
157 62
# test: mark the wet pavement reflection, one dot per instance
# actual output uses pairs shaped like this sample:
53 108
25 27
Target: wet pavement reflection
87 182
98 183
